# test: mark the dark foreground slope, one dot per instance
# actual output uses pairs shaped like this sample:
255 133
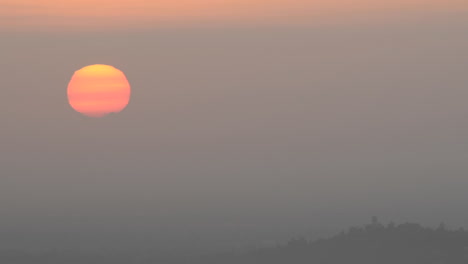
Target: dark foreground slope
371 244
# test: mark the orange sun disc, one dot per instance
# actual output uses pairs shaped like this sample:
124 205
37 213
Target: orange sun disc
98 90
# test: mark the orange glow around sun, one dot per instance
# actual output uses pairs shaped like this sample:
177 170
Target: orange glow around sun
98 90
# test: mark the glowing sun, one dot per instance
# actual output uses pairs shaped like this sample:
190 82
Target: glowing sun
98 90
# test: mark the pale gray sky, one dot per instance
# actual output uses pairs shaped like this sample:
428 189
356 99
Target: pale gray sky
239 133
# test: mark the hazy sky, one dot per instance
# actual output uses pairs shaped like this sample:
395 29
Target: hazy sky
240 131
137 14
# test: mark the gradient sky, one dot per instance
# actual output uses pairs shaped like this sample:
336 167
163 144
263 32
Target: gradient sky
245 131
112 14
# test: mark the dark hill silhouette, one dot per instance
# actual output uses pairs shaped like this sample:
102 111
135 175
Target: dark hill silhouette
374 243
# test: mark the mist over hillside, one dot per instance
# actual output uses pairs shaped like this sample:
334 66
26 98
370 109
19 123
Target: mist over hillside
406 243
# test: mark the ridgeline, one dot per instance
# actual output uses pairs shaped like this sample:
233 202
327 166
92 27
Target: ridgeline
374 243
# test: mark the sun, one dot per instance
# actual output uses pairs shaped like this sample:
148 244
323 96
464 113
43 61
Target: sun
98 90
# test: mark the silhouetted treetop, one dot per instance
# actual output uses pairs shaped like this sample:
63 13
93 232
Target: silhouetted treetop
374 243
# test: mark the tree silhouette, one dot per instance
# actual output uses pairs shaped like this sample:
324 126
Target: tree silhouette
374 243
